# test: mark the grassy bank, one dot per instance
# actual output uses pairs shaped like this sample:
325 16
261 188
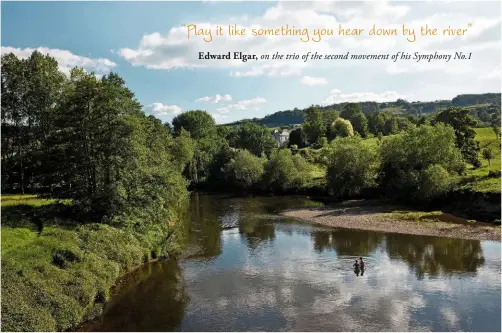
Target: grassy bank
56 273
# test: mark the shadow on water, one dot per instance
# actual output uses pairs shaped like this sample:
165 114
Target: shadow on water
135 304
246 268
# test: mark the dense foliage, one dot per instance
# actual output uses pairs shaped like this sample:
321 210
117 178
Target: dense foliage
419 164
86 140
351 166
245 170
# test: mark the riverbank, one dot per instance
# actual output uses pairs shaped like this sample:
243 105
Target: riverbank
57 273
373 216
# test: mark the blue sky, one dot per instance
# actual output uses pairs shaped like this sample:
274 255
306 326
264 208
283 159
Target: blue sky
146 45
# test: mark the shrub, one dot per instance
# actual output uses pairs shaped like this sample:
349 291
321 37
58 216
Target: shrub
285 171
245 170
412 160
350 166
434 182
342 128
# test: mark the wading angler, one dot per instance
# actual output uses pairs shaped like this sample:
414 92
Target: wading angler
228 56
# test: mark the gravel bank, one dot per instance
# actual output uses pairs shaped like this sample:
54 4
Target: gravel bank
389 219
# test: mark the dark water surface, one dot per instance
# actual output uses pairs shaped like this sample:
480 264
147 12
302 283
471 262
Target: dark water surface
272 273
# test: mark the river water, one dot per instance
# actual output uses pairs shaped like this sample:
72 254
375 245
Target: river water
248 269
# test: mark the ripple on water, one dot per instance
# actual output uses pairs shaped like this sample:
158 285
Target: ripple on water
341 266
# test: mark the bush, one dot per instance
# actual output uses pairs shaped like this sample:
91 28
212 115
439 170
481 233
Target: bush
245 170
285 171
342 128
417 164
434 182
350 166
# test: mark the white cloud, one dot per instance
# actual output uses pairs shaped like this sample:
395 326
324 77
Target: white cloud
214 99
174 50
162 110
492 75
336 96
243 105
66 59
313 81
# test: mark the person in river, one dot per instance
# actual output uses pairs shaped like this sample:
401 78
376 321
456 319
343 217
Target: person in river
361 264
356 268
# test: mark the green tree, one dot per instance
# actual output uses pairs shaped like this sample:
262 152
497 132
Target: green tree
463 123
496 130
31 88
183 150
297 137
354 113
285 171
391 125
255 138
433 182
488 155
198 123
342 128
351 166
376 122
313 126
245 170
379 138
329 117
407 162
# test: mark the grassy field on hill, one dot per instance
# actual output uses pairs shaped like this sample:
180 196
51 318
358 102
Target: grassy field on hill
478 178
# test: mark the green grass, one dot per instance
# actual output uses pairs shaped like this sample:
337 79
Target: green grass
29 200
415 216
393 110
477 179
372 142
55 277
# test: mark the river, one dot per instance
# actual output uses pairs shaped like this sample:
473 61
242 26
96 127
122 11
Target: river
265 272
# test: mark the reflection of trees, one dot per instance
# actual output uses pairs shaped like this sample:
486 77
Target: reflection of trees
435 255
208 213
155 300
346 241
205 226
256 231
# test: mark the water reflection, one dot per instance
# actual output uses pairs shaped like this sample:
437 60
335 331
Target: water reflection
434 255
264 272
346 241
154 298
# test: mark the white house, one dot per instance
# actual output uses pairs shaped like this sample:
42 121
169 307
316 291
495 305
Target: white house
282 139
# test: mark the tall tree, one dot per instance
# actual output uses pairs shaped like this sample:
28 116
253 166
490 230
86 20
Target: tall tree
354 113
463 123
297 137
313 126
330 116
255 138
197 122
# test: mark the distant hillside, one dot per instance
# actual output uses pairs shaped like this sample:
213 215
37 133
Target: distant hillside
482 104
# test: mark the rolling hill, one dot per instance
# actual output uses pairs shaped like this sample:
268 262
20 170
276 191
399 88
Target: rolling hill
482 105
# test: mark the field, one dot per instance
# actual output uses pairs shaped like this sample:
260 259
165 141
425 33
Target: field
478 178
